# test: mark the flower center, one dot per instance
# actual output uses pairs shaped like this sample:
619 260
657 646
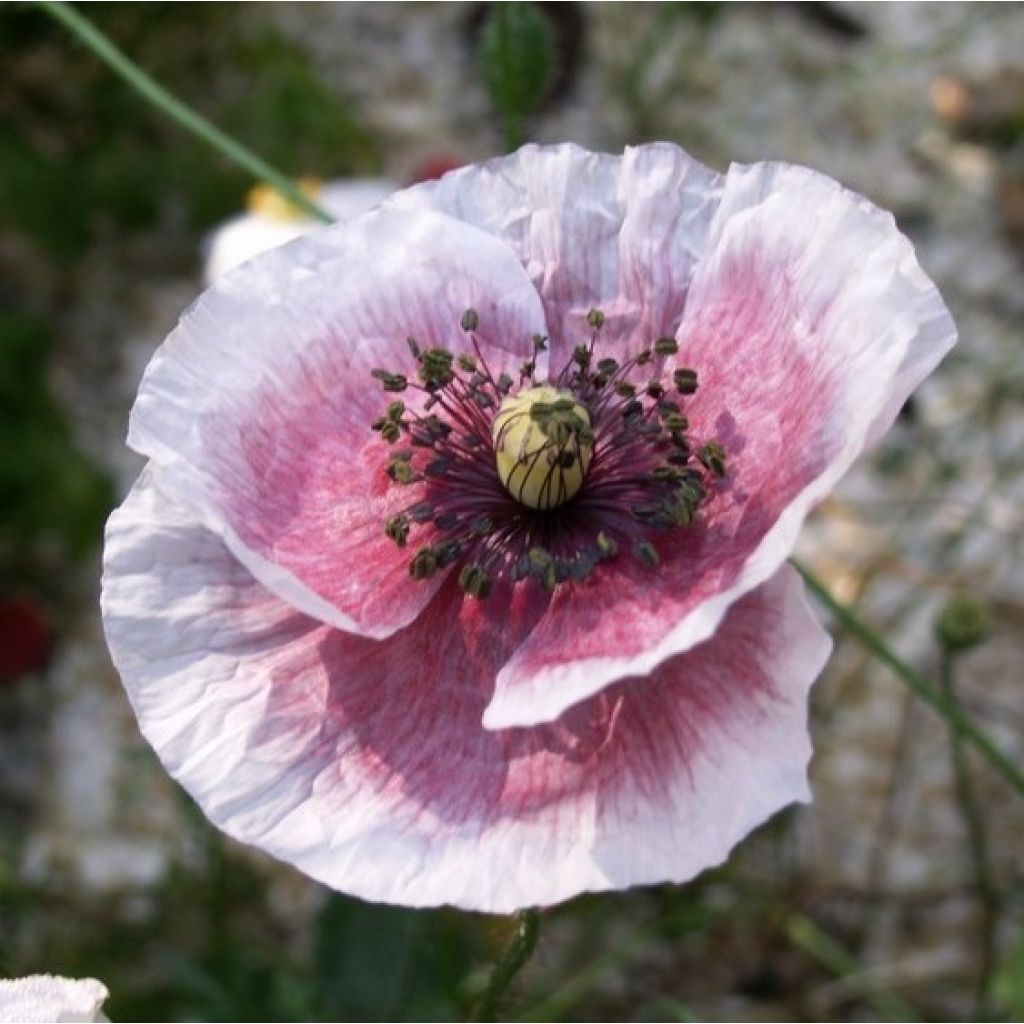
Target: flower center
543 445
543 480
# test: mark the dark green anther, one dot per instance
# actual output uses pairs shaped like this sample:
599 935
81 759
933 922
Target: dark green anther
596 319
647 553
540 343
423 564
643 357
396 410
390 381
446 552
607 367
539 559
666 347
390 431
625 390
475 581
436 367
674 423
685 380
467 363
413 347
397 528
402 473
655 389
421 512
634 408
581 356
470 320
712 457
606 546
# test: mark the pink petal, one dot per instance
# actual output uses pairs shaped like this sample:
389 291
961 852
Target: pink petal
808 321
592 230
259 404
365 764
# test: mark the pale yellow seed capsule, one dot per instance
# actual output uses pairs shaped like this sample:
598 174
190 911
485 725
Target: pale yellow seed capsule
542 446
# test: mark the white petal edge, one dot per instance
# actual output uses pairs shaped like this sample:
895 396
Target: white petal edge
170 596
256 312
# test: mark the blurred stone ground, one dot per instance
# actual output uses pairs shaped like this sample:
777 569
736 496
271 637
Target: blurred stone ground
921 108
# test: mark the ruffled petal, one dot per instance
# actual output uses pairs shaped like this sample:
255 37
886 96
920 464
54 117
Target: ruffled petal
808 321
44 998
592 230
365 764
259 404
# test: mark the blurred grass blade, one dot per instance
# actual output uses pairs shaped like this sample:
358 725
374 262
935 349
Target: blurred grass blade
517 53
822 948
150 89
958 720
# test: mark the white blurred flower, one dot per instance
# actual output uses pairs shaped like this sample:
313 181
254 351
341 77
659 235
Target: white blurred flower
43 998
270 220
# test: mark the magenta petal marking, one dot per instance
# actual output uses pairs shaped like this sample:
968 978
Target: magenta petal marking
259 405
365 763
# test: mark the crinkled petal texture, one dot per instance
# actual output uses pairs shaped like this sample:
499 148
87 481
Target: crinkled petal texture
258 406
365 762
43 998
802 309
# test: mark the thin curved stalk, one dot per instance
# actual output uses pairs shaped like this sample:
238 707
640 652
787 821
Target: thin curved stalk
189 119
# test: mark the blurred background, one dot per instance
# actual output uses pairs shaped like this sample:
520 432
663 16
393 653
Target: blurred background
899 894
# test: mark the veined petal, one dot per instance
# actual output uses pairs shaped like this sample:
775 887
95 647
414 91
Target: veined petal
365 763
592 230
808 321
259 404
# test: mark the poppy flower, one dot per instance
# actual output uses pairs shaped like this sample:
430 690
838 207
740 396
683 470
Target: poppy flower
457 573
45 997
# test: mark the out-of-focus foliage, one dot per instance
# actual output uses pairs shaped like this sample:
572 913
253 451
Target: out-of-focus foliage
50 494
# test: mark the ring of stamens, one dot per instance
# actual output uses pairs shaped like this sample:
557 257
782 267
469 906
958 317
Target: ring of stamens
542 480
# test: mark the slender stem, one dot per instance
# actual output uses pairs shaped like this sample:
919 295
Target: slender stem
512 960
922 687
806 935
977 838
151 90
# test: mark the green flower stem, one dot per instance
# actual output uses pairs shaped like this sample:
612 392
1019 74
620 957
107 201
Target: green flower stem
977 838
950 710
510 963
119 62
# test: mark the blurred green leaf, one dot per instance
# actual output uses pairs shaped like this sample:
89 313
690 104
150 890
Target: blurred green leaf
517 54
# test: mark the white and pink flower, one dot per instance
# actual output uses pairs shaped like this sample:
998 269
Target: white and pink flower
519 626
